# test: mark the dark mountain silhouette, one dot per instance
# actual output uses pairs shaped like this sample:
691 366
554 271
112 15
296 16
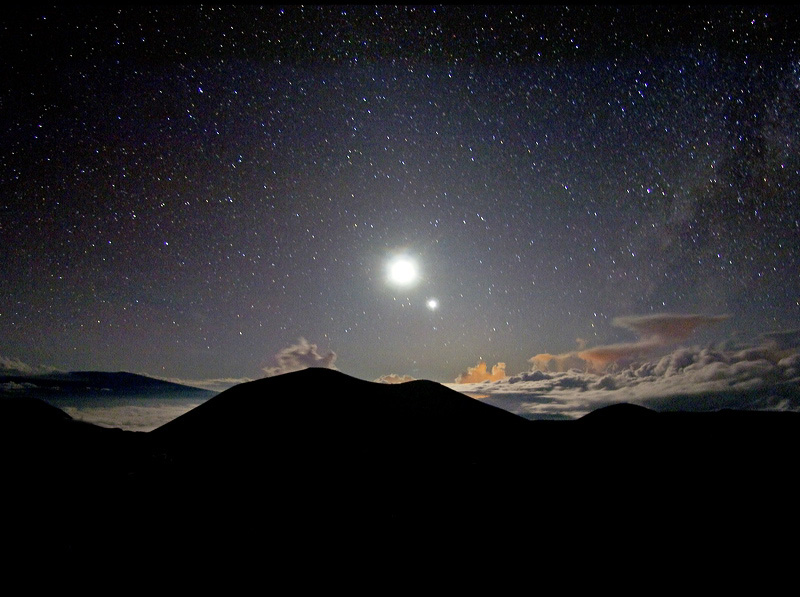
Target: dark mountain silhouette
58 475
326 471
619 414
326 415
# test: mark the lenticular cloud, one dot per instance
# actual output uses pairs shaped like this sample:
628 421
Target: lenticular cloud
667 327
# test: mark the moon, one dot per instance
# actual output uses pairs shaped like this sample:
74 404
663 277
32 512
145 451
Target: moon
403 271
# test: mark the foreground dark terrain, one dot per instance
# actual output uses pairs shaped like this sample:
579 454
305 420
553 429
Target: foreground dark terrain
319 470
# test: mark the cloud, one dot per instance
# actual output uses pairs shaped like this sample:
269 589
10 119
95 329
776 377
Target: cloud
783 339
12 387
557 362
300 356
599 357
479 373
393 378
14 366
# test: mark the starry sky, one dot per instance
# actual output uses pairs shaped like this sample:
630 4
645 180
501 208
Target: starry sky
191 191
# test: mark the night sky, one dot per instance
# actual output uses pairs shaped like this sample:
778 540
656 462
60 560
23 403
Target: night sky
189 191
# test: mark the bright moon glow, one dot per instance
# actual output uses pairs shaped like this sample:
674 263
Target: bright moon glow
433 304
402 271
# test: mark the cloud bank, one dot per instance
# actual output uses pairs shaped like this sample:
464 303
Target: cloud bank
762 377
143 415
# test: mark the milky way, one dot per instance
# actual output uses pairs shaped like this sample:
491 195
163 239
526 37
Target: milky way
187 191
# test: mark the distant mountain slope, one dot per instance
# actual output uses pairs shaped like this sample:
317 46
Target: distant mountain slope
93 384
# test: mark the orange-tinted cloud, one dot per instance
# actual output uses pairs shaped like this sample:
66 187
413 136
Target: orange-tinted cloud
480 373
557 362
599 357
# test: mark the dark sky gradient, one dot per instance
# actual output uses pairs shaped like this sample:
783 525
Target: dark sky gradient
185 191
